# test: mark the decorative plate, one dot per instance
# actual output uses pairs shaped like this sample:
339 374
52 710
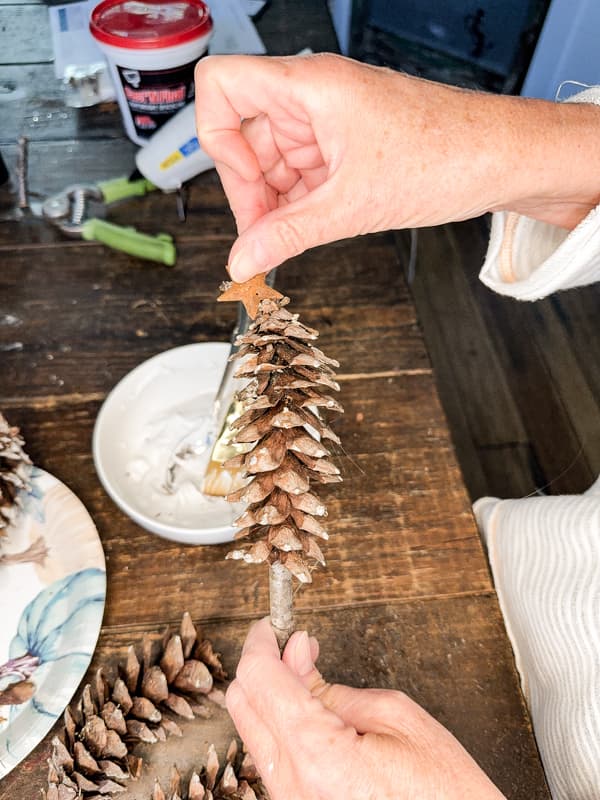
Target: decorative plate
52 592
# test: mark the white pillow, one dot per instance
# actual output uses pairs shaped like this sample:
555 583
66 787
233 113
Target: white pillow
544 553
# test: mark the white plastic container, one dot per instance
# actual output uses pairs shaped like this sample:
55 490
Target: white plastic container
152 48
173 155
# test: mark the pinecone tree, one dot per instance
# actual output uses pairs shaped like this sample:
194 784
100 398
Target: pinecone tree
174 675
237 779
15 466
289 386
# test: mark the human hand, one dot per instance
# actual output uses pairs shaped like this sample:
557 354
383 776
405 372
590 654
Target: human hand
314 741
319 148
328 148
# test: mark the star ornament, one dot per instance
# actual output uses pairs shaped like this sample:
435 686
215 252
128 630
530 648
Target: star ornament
250 293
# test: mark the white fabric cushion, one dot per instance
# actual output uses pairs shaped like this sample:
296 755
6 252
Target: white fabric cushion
544 553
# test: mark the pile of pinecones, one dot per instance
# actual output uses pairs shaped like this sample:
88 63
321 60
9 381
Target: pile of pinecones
15 466
236 780
172 677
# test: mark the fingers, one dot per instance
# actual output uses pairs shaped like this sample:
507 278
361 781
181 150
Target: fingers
256 727
300 653
277 695
279 691
249 200
252 120
261 636
293 739
220 107
273 690
366 710
311 220
253 731
291 164
230 89
273 712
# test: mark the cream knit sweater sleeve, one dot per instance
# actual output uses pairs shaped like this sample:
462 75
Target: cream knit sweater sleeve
528 260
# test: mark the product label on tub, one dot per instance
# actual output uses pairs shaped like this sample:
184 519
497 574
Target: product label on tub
186 149
154 96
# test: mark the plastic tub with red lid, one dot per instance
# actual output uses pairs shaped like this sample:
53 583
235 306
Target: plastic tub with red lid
152 48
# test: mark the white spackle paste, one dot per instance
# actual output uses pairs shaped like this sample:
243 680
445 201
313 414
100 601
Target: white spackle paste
187 426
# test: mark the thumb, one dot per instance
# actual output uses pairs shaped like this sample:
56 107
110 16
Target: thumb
280 234
366 710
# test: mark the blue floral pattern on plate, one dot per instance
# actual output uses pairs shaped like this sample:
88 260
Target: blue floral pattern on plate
52 593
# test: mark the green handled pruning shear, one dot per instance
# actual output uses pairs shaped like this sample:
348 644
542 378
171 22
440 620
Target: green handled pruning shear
69 210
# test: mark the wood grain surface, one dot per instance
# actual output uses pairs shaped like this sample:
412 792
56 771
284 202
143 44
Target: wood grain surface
383 645
406 601
518 380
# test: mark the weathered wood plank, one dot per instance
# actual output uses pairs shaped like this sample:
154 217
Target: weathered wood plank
445 256
509 470
572 361
547 408
109 311
58 164
25 32
550 427
451 656
470 379
400 524
564 365
515 378
38 110
577 312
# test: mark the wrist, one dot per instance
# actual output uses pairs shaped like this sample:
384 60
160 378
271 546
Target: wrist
553 168
486 152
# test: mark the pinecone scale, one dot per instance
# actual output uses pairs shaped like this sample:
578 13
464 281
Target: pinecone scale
235 779
289 387
172 676
15 468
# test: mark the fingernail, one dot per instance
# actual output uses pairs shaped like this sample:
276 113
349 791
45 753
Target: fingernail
314 648
304 662
248 262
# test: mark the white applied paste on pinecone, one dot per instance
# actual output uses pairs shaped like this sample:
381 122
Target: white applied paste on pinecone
165 401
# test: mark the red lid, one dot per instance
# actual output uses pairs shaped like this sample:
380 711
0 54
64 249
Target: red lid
152 23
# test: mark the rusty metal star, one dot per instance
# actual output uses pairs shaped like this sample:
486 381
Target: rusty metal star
250 293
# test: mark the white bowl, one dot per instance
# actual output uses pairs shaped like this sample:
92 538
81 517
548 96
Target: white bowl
137 428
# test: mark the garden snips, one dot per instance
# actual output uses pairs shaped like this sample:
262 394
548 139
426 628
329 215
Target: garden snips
77 211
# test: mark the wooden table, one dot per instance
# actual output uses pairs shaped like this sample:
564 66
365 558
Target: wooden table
406 601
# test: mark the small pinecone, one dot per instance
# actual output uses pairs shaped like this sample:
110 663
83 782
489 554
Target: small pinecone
15 466
289 383
236 780
176 672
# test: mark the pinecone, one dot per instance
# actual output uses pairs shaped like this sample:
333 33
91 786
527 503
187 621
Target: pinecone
15 466
289 383
176 672
237 780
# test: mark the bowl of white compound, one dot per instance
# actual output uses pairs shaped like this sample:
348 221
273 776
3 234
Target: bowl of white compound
162 403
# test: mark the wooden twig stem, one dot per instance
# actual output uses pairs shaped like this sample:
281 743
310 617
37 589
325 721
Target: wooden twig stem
281 598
